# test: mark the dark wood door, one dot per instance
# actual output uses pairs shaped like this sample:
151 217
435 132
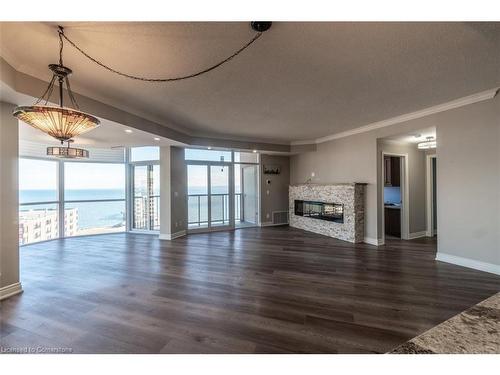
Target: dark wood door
395 171
393 221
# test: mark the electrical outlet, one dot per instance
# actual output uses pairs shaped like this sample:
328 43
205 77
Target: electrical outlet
268 216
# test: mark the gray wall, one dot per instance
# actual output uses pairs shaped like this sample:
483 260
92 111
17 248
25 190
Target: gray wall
9 204
350 159
277 199
468 157
416 180
178 188
165 193
468 182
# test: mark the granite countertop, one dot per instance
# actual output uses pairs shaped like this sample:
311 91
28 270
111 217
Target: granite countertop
393 207
476 330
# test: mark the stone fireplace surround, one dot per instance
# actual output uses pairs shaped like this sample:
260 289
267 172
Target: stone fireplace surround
351 195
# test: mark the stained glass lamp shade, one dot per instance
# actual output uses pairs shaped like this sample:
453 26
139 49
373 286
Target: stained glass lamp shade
61 123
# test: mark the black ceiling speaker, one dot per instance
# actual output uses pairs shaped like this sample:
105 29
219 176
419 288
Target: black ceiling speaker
261 26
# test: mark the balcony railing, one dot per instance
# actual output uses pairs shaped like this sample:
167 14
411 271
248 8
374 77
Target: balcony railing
147 212
198 209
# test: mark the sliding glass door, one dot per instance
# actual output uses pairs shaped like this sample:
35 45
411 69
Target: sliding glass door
209 191
246 195
219 195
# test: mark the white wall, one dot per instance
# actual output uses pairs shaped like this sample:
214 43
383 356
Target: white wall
9 203
416 181
178 184
165 194
468 184
273 196
353 159
468 175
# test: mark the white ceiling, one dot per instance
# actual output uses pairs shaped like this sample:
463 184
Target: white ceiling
108 135
298 81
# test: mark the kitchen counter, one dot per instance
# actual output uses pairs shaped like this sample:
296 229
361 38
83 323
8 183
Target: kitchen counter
392 207
476 330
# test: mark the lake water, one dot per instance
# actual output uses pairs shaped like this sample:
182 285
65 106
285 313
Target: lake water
110 214
90 215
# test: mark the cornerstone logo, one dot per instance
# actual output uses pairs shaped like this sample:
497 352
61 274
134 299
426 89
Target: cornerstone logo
34 350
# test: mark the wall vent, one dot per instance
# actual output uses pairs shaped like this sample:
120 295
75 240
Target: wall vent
280 217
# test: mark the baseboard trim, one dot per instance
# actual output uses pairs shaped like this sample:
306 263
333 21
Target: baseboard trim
10 290
373 241
172 236
414 235
271 224
469 263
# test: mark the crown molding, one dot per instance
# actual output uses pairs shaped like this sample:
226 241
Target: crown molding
466 100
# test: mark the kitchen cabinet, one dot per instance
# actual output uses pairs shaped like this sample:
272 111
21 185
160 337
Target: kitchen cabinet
392 171
393 221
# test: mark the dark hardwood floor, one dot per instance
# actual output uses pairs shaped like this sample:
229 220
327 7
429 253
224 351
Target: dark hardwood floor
269 290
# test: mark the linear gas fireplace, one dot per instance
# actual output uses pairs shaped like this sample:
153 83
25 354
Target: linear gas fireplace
320 210
335 210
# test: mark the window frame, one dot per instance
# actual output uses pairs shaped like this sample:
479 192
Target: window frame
61 202
129 190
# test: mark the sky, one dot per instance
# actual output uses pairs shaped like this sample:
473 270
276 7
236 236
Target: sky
42 175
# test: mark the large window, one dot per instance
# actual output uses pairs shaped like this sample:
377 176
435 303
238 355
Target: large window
38 198
207 155
144 153
146 197
94 195
145 188
94 199
222 188
37 181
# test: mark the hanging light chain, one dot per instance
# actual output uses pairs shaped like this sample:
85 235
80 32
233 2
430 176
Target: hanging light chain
61 45
63 35
48 92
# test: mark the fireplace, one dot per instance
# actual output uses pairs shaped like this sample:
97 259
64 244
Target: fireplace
335 210
320 210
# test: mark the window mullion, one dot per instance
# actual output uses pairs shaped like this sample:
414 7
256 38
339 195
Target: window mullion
60 177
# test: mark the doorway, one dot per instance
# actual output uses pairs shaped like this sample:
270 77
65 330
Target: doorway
395 217
431 195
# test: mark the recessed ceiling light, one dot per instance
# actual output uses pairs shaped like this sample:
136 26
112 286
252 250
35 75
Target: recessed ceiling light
156 138
209 148
128 131
254 151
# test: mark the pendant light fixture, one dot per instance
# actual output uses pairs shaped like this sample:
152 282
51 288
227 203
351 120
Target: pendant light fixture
64 123
67 152
60 122
429 143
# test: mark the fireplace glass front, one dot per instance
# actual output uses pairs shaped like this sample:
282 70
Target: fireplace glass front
320 210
